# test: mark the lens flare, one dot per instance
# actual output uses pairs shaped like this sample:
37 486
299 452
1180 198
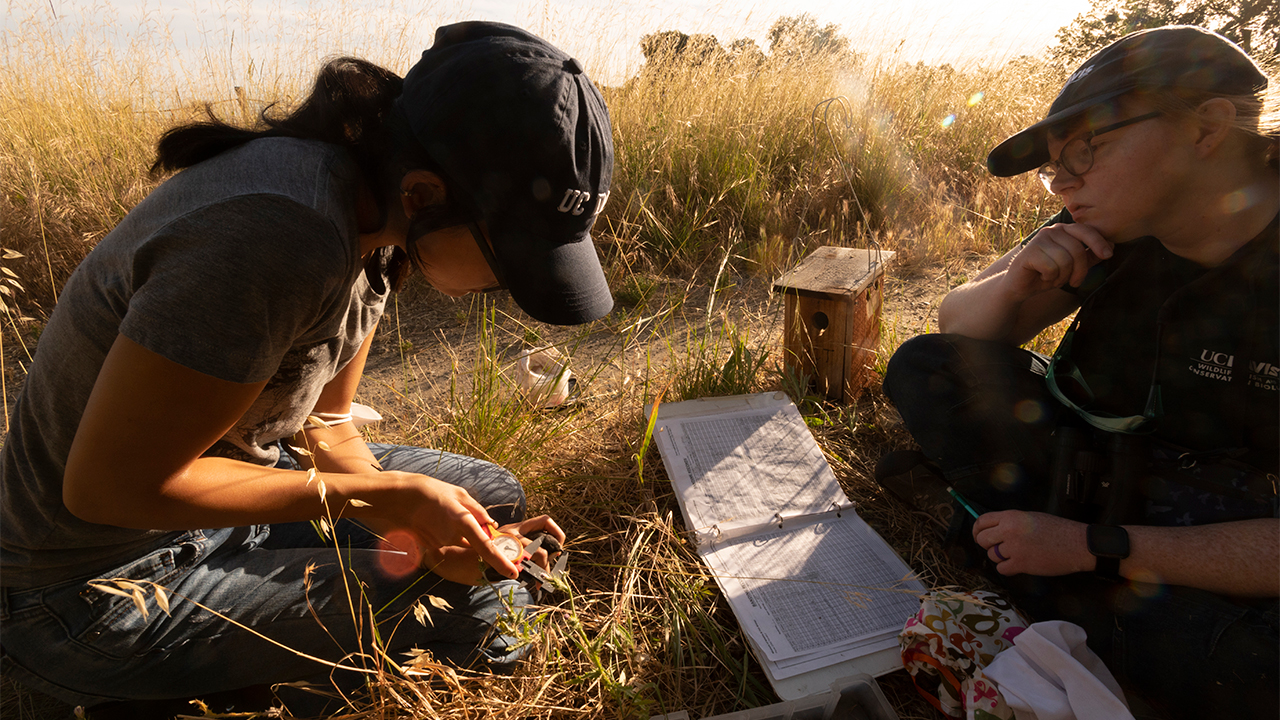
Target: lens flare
975 98
949 120
400 554
1029 411
1146 584
1006 476
1236 201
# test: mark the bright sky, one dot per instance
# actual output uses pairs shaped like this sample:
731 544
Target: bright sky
605 34
934 31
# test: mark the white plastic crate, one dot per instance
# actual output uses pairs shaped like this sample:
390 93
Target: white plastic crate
853 698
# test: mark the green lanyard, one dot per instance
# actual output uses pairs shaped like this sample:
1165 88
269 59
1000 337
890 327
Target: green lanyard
1062 366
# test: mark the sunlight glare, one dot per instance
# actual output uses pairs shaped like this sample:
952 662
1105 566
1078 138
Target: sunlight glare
400 555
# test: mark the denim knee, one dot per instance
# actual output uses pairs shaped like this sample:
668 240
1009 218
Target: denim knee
492 485
502 495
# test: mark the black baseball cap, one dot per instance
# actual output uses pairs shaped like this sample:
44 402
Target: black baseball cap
523 139
1175 56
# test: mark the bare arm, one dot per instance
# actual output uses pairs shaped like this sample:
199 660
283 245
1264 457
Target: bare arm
135 462
1236 558
340 448
1020 294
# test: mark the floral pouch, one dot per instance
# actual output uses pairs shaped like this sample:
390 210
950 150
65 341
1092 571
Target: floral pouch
949 641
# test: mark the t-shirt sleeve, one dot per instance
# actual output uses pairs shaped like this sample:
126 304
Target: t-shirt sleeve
226 290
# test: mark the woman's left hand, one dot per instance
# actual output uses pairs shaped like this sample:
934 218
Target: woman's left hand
1034 543
522 529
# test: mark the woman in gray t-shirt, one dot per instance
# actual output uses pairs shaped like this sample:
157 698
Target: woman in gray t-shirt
230 315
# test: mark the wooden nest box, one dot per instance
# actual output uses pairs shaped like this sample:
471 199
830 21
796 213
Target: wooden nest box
832 329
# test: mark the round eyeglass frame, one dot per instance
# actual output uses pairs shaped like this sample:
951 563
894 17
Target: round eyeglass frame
1080 150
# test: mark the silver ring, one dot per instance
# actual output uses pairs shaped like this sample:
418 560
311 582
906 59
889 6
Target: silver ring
996 548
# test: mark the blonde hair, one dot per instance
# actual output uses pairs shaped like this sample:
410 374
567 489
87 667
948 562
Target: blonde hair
1257 115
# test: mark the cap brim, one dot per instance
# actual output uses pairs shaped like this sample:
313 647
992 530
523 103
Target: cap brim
1029 149
558 284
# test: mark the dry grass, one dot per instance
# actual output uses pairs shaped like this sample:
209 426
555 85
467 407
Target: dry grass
709 160
722 179
751 161
643 629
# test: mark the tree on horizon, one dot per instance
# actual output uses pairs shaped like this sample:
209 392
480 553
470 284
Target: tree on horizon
792 38
1254 25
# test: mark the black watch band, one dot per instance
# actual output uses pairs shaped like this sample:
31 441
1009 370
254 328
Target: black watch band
1109 544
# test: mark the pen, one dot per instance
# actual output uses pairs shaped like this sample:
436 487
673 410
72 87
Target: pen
963 503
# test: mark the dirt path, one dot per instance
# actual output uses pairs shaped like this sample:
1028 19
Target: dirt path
426 336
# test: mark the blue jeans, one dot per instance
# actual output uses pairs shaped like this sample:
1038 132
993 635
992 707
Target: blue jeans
284 581
981 411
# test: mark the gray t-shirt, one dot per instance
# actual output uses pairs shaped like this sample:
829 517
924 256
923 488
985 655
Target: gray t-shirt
244 267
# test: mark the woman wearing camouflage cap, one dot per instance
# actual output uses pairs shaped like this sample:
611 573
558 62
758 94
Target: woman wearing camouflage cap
1129 480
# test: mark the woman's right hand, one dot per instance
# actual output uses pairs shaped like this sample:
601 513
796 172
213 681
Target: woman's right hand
437 515
1020 294
1055 256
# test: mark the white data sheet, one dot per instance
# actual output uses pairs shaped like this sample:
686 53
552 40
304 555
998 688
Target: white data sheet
816 586
811 583
742 468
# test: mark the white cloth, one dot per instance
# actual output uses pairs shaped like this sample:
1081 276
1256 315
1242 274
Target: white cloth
1050 674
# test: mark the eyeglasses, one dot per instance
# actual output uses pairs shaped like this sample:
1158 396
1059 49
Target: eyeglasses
489 257
427 221
1076 157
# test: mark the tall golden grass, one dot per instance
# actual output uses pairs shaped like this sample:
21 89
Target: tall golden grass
707 159
717 157
720 172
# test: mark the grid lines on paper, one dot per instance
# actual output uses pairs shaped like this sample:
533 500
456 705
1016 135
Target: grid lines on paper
826 591
710 441
784 448
751 466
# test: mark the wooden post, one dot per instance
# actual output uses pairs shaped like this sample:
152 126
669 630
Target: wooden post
832 327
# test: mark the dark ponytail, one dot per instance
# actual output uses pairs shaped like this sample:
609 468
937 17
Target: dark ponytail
347 105
351 106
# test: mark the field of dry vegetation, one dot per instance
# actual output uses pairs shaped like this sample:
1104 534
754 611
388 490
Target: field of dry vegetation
727 173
